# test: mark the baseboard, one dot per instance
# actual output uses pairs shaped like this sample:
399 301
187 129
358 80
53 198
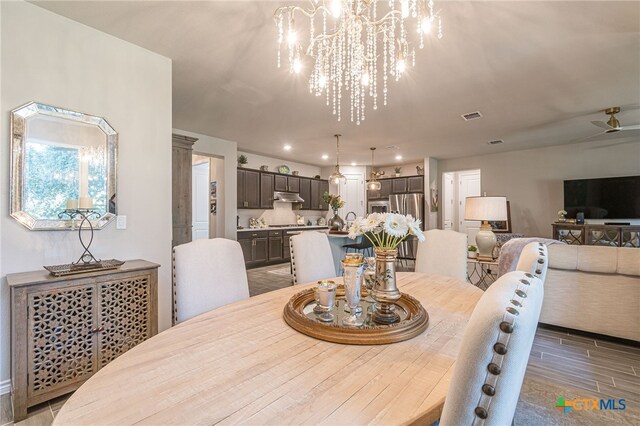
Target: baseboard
613 339
5 386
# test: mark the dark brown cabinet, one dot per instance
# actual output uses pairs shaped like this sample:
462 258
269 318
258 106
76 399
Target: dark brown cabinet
266 190
399 185
287 183
260 252
305 193
293 184
415 184
275 246
248 189
385 188
255 247
246 244
316 198
281 183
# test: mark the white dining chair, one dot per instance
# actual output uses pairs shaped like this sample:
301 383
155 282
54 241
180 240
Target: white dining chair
311 257
493 356
207 274
443 253
534 259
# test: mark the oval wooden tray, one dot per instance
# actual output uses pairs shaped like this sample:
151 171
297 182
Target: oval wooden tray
415 320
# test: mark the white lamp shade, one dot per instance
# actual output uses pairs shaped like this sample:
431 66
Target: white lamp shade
485 208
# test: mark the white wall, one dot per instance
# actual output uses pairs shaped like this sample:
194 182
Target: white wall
532 180
255 161
227 181
54 60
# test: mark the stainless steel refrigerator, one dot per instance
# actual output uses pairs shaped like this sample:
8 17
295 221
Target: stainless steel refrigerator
412 204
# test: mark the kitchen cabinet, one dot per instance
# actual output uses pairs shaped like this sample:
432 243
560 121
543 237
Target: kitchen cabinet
399 186
266 190
255 247
305 193
284 183
248 189
286 252
385 188
415 184
316 198
275 246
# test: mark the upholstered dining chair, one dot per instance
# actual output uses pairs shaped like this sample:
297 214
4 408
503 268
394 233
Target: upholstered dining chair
311 257
493 356
443 253
207 274
534 259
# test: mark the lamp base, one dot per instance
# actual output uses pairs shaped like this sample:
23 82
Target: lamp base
486 241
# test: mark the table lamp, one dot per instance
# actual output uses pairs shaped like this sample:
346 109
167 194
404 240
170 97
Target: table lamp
485 209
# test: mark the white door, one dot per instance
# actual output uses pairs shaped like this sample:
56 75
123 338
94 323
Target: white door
448 199
200 201
352 193
468 186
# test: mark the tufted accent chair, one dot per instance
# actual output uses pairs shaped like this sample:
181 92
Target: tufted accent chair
534 259
493 356
208 274
311 257
443 253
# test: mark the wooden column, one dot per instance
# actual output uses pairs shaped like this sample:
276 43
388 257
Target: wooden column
182 150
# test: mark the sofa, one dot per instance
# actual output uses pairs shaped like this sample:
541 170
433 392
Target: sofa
594 289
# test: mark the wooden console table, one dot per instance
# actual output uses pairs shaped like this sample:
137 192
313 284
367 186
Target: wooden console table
64 329
597 235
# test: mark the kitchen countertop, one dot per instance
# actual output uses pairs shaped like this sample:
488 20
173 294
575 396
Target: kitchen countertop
287 228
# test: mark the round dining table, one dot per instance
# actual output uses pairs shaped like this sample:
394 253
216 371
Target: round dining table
241 363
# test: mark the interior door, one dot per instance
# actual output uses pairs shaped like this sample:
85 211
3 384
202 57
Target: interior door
468 186
200 201
352 192
447 201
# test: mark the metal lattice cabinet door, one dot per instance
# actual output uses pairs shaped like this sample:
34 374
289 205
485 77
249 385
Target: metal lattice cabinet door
61 328
125 316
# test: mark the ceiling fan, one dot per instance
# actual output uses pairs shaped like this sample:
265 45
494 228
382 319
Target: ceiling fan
613 125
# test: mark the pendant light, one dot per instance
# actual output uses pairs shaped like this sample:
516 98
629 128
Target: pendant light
373 184
336 177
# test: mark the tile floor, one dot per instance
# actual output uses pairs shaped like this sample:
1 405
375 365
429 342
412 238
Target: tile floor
562 363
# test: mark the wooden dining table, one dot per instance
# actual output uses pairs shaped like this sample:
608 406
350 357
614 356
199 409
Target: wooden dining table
242 363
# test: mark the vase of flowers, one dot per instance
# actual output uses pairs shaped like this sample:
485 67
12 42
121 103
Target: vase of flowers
562 215
335 202
386 231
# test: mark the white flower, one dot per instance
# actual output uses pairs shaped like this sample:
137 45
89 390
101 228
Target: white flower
356 229
370 223
396 225
414 227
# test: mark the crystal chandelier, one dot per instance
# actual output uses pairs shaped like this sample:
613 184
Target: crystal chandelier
356 45
337 177
373 183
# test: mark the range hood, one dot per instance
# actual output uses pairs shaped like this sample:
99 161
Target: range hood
287 197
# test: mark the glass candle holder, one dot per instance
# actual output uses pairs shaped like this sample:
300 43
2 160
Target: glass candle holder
352 276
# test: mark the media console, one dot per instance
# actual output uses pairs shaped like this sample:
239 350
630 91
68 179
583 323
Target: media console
618 235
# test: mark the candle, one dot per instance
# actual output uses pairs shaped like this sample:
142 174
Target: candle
72 204
86 202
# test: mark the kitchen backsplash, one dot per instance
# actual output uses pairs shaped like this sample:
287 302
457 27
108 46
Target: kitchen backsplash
281 214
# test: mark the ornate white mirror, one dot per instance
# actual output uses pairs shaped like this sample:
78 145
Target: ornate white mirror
61 160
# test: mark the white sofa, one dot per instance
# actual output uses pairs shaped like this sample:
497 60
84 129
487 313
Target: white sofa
594 289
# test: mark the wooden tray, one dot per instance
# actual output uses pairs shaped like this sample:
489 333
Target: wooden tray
298 313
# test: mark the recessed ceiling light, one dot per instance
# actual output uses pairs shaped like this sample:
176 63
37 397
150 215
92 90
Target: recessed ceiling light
325 157
287 147
398 157
353 163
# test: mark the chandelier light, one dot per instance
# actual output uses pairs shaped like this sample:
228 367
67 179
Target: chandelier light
373 184
337 177
356 46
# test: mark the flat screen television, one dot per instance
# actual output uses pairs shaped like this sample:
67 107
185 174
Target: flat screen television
603 198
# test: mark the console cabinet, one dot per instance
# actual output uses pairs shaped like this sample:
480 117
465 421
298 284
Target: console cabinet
597 235
65 329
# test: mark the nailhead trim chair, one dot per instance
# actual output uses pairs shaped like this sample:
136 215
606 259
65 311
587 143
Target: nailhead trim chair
443 253
311 257
534 260
493 356
207 274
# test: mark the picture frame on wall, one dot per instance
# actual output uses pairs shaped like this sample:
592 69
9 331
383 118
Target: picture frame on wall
502 226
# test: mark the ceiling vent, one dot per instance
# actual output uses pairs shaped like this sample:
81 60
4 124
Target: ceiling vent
393 147
496 142
471 116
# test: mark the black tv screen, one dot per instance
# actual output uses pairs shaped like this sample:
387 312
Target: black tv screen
604 198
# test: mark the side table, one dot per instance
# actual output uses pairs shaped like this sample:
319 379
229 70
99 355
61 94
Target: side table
482 273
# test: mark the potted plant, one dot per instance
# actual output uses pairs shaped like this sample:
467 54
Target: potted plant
335 202
472 252
561 215
242 160
398 170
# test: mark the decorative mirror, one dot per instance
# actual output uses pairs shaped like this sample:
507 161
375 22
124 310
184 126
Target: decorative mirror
61 161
